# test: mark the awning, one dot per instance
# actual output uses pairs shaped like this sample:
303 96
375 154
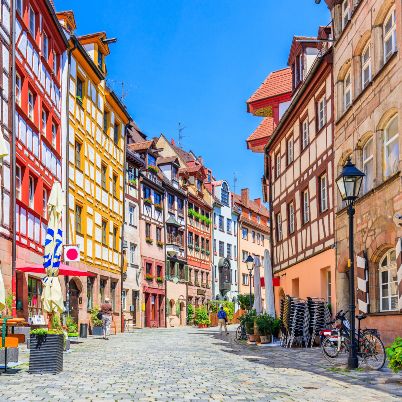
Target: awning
65 270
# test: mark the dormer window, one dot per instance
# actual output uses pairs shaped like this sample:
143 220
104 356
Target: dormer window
100 59
297 71
199 184
225 194
174 172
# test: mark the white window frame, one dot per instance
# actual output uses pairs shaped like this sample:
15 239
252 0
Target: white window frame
347 90
390 284
132 254
279 231
305 133
245 279
54 62
18 89
329 287
306 206
32 21
289 150
323 193
387 143
322 112
54 135
366 64
31 192
124 299
366 160
291 218
45 46
131 214
18 181
31 105
390 35
345 13
277 165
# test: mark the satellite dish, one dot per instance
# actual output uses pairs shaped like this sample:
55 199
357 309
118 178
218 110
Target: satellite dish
175 280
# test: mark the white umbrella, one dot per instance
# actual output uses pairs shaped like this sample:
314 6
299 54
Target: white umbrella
52 297
269 288
257 286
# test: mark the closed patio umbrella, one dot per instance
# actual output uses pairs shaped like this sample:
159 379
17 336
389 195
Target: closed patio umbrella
257 286
269 288
52 298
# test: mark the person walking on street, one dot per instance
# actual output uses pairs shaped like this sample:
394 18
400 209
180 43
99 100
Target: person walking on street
106 309
222 317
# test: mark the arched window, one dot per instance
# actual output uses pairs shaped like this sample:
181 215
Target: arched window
391 147
347 90
366 65
389 34
388 282
225 194
368 165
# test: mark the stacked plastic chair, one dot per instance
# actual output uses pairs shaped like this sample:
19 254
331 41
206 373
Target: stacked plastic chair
319 316
296 324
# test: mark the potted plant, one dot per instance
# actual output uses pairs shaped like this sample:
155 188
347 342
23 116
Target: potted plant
96 322
46 348
149 240
133 182
202 317
207 252
72 327
147 201
394 353
190 314
158 207
159 279
197 248
247 320
159 243
153 169
190 246
149 277
264 323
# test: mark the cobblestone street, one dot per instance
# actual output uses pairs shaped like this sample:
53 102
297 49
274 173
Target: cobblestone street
189 364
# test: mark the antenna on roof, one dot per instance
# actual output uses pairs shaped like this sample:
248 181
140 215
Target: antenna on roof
181 136
234 182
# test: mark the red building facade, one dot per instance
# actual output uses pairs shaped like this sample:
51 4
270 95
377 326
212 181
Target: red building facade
40 45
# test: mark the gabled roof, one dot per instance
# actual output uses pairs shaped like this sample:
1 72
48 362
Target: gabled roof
259 138
165 160
277 83
252 205
140 146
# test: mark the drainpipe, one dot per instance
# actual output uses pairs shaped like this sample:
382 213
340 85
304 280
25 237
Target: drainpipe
122 233
166 259
13 166
271 238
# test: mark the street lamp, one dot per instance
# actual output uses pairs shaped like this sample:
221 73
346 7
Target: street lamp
349 183
250 265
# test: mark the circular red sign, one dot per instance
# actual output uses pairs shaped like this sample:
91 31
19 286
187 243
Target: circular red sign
72 254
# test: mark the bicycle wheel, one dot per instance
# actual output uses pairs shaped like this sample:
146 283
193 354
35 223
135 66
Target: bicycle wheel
372 351
329 349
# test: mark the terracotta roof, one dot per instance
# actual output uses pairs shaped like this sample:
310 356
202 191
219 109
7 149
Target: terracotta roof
140 146
190 169
277 83
252 205
186 156
264 130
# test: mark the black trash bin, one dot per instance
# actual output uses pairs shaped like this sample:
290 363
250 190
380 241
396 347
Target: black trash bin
83 330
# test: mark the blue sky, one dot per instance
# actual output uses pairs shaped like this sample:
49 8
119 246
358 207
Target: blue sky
197 62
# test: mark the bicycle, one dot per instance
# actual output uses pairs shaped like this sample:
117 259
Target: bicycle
241 334
370 348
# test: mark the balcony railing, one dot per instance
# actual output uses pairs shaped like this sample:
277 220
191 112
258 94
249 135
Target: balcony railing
153 177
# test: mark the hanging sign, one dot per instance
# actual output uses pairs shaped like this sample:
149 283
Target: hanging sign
72 253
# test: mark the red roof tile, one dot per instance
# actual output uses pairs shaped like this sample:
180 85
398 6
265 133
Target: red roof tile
252 205
264 130
277 83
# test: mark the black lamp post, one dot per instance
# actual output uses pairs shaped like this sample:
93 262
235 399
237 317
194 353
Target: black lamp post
349 183
250 265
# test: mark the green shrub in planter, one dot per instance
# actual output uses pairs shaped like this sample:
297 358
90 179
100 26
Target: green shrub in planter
244 301
264 324
247 320
394 353
201 316
96 322
190 313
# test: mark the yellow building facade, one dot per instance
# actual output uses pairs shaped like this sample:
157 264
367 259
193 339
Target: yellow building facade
95 128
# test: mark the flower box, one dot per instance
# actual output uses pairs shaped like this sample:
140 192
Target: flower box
149 277
197 248
158 207
147 201
133 182
153 169
149 240
159 243
46 353
159 279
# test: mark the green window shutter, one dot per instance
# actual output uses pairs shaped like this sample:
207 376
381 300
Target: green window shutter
186 273
176 269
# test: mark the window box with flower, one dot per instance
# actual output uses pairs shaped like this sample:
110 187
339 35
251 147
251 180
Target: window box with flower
133 183
197 248
153 169
159 279
149 240
158 207
159 243
149 277
147 201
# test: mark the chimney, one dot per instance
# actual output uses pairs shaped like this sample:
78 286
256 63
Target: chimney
258 201
173 143
244 195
